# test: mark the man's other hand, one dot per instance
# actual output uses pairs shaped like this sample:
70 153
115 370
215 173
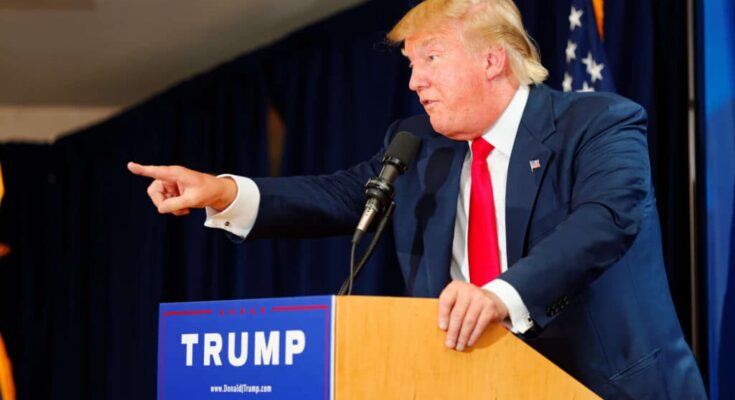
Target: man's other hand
177 189
465 310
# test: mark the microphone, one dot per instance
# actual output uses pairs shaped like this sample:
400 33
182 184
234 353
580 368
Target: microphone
379 190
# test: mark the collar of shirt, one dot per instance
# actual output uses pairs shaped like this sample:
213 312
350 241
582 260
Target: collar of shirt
503 132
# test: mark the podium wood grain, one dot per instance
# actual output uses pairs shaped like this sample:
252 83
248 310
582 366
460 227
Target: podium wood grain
392 348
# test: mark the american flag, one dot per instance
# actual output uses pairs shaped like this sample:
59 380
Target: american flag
586 67
535 164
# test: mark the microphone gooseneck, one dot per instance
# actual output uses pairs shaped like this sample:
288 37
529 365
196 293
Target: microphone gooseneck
379 192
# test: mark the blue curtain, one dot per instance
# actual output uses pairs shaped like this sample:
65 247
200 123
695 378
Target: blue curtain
718 92
92 259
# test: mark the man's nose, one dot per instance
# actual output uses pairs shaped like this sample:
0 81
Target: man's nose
418 80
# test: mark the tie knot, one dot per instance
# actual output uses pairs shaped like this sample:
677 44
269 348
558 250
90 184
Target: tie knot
481 149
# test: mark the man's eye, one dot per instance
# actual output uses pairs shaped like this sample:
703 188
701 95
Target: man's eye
432 57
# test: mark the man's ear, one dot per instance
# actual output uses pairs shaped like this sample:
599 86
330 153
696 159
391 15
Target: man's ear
496 60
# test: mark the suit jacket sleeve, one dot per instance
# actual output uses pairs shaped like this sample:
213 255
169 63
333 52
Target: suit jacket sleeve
610 193
315 206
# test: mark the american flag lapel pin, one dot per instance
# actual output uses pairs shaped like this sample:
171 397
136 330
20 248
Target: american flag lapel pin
535 164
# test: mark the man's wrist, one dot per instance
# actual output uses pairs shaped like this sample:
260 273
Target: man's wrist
518 319
499 305
228 193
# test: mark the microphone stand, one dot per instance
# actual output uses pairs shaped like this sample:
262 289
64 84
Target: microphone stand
355 269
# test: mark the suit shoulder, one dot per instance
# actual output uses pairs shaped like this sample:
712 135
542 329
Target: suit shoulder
594 104
418 125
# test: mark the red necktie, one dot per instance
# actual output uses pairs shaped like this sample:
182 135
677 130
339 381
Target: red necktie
482 234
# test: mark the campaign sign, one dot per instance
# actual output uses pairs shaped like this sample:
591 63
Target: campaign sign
241 349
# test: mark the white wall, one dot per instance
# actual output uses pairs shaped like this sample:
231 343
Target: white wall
46 123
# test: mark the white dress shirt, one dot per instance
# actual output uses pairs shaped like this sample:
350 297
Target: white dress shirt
501 135
239 217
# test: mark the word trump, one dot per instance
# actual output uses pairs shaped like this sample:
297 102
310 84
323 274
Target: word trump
265 351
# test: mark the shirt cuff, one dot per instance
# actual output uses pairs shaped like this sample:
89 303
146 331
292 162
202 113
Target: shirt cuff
239 217
520 318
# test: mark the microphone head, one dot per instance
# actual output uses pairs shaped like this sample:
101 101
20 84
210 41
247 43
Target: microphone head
403 147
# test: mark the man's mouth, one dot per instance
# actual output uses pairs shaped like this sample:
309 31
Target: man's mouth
427 103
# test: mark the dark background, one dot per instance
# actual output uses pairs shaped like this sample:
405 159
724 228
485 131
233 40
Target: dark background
91 258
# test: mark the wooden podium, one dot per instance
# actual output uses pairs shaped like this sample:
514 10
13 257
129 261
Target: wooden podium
343 348
392 348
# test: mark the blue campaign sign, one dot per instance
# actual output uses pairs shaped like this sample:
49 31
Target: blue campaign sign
265 349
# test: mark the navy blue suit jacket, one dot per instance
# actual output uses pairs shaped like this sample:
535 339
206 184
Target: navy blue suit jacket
583 239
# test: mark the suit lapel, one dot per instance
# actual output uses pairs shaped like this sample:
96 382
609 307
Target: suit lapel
524 181
439 168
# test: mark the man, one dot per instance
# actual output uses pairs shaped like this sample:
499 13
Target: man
525 206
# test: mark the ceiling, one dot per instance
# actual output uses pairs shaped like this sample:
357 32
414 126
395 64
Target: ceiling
72 62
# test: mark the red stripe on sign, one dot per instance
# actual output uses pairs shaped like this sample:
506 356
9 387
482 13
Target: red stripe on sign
299 308
192 312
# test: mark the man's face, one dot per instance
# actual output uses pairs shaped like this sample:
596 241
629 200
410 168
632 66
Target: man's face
451 83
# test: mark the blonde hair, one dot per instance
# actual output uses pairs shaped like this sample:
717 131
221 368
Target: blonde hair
484 22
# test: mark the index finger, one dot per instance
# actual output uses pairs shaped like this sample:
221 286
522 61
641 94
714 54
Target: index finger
153 171
446 301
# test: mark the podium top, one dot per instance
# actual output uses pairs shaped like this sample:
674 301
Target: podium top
392 348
